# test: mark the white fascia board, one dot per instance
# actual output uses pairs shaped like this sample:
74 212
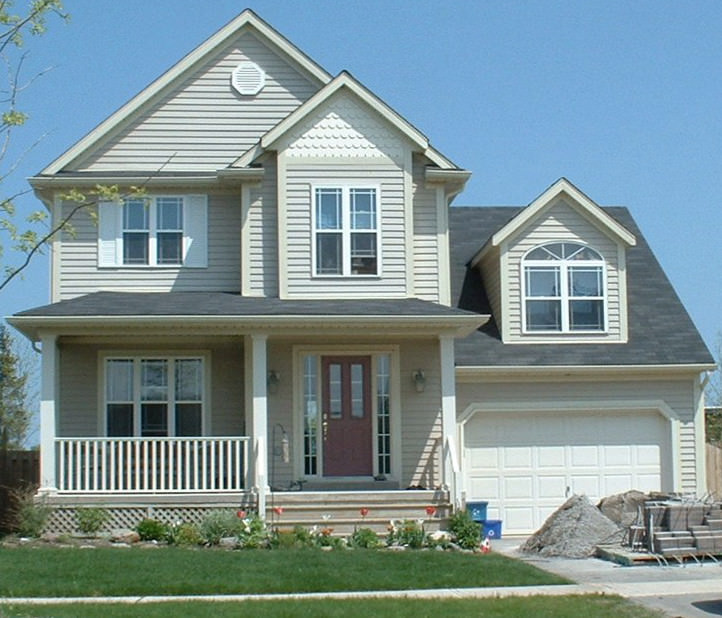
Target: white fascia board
344 80
589 206
246 18
514 373
457 326
434 175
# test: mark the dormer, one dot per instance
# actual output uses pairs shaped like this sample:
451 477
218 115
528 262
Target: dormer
556 272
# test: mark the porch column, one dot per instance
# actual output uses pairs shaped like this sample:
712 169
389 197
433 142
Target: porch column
48 417
450 471
257 414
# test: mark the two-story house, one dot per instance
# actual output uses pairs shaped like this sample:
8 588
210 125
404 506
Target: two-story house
294 304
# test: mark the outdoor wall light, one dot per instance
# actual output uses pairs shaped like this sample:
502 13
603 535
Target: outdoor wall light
273 380
419 380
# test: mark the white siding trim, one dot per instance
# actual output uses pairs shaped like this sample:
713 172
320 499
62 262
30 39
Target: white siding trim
504 286
282 189
56 247
408 172
246 288
442 240
622 291
699 437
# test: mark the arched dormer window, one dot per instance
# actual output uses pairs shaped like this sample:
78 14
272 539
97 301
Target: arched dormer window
564 289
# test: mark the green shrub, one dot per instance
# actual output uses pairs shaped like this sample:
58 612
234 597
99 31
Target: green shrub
409 533
152 530
464 530
91 519
219 524
27 516
364 538
182 533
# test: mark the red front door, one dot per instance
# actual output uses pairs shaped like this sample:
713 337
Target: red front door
347 448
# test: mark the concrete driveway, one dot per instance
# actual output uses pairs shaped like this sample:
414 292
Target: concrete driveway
691 590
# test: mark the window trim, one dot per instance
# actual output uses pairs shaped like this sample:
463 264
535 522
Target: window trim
170 357
152 230
565 298
346 230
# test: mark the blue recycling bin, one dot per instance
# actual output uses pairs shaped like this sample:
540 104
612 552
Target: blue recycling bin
492 529
477 510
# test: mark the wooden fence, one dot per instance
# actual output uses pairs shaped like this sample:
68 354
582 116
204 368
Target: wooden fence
17 468
714 470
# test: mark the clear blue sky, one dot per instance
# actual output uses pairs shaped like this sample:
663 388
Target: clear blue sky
623 98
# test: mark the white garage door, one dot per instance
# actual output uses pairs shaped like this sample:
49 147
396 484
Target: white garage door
526 465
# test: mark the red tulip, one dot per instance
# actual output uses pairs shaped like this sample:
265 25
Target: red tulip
364 511
431 510
278 510
241 514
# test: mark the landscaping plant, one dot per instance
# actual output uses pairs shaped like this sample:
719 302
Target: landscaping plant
91 519
409 533
465 531
151 530
27 516
364 538
220 524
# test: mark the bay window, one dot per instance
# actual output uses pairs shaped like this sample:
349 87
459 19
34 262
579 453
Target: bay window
346 231
564 289
154 397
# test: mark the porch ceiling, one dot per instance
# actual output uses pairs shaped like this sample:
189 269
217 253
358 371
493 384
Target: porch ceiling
208 312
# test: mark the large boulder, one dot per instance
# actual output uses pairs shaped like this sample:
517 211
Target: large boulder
573 531
624 509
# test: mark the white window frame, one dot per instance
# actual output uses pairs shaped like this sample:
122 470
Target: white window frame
171 401
564 297
194 233
346 230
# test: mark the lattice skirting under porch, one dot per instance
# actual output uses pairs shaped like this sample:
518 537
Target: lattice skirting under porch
63 520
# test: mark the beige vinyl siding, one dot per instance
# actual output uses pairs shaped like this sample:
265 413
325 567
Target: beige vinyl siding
491 275
263 237
426 240
559 223
79 273
280 415
203 123
78 398
81 398
421 431
304 174
677 394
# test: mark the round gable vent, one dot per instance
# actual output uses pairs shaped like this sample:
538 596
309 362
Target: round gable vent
248 78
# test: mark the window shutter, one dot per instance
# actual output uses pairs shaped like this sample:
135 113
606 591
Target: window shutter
195 231
109 241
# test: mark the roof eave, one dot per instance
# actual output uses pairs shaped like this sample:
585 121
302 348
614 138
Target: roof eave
545 372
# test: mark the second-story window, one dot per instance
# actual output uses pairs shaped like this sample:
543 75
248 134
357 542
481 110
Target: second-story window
153 231
564 289
346 231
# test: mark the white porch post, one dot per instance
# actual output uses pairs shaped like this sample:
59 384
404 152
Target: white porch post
257 414
48 418
448 419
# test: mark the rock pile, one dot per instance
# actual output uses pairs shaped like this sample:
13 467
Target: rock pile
573 531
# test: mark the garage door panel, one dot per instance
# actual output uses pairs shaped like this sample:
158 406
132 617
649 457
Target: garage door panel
584 456
518 487
526 465
552 486
518 457
551 457
618 455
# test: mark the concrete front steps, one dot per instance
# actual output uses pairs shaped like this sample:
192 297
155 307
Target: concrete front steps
340 511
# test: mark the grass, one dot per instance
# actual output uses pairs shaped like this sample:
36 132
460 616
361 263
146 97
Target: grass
539 607
51 572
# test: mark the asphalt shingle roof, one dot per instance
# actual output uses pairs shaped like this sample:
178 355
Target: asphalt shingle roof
660 329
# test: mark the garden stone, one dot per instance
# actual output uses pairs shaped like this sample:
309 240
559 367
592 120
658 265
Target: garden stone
396 548
50 537
229 542
119 545
326 548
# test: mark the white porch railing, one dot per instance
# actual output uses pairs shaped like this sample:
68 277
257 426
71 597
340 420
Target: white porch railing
151 464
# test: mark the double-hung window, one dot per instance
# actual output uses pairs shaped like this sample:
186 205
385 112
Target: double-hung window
564 289
154 397
346 231
153 231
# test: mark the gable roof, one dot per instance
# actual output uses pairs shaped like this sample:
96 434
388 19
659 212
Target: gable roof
247 19
660 330
579 200
344 81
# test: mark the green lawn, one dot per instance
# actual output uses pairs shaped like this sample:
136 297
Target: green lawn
48 572
539 607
